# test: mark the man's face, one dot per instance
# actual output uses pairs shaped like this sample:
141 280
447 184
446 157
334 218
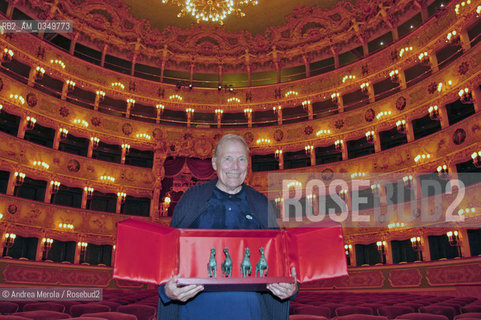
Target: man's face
231 164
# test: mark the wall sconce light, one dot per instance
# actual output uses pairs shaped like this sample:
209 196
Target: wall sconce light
55 186
335 97
452 38
126 148
416 243
394 75
476 159
263 141
401 126
465 96
323 132
218 113
41 165
100 95
424 58
291 93
175 97
408 181
417 246
19 178
122 196
395 225
278 201
365 88
1 107
423 157
466 210
165 205
433 112
405 50
31 121
58 63
461 5
39 73
118 85
131 102
233 100
63 133
375 188
70 85
65 226
190 111
247 112
305 104
95 142
7 55
370 136
443 171
276 109
348 77
47 245
144 136
89 191
381 248
347 249
309 149
454 240
357 175
160 109
342 194
81 123
9 241
383 114
107 179
338 144
83 250
17 99
278 154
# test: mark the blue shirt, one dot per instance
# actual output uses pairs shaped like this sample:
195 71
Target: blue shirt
224 211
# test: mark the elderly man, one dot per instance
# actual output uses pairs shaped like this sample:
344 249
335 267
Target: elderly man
225 203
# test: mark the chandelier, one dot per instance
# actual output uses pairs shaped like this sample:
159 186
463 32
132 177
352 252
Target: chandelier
211 10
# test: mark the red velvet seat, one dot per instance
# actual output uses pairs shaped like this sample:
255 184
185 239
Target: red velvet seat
343 311
111 315
360 317
314 310
447 311
8 307
391 312
113 305
470 315
306 317
142 312
422 316
88 318
43 315
79 309
332 307
471 308
67 304
374 307
52 306
13 317
415 306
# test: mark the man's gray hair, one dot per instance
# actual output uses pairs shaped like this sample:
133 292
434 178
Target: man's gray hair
229 137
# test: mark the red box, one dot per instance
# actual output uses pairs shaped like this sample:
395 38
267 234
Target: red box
149 252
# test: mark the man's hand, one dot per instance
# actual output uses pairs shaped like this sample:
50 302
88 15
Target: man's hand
284 290
183 294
